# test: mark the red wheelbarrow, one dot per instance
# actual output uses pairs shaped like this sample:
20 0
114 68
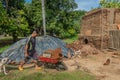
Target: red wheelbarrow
52 59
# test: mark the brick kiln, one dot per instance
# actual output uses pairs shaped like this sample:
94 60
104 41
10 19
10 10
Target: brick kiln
102 28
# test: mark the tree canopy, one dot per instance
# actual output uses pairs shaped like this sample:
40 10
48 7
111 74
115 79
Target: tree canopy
3 18
18 18
16 22
110 3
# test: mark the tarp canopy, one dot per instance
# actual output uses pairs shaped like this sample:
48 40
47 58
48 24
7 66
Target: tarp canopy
16 51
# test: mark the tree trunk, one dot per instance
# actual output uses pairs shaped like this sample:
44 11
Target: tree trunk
15 37
43 16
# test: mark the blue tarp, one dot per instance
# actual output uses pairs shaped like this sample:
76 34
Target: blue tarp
16 51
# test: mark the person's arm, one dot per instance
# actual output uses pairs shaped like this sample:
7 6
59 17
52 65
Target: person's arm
26 50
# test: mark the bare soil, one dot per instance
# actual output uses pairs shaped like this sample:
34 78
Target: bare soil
105 64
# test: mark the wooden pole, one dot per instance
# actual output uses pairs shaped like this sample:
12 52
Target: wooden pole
43 15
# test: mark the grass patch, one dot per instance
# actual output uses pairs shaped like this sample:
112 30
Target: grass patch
4 48
39 75
71 39
9 38
5 38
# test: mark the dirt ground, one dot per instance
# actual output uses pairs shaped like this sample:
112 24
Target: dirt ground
105 65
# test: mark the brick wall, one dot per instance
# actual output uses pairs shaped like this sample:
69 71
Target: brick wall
98 23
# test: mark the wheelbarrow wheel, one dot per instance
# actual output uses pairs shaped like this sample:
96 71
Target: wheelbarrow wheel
40 63
61 66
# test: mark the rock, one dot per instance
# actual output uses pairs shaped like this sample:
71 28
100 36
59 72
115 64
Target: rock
107 62
115 53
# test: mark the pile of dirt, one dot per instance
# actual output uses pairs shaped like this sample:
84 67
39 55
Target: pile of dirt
75 45
89 50
83 49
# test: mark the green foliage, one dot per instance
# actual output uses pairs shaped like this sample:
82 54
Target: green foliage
33 14
17 24
61 19
3 19
14 21
110 3
71 39
19 18
64 34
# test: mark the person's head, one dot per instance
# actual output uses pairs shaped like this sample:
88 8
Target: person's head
35 33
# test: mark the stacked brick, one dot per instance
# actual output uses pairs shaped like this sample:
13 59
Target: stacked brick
96 25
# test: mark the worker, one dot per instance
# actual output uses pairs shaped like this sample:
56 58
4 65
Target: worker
30 52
